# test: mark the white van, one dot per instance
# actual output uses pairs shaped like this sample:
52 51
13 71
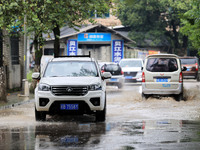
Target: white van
162 75
132 68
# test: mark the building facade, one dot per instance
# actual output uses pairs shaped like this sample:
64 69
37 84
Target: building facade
104 44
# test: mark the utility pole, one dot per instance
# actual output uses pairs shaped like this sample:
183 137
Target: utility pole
25 47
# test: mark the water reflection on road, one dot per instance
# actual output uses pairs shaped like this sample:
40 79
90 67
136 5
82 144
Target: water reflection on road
147 134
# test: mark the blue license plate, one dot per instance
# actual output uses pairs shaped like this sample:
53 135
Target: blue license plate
112 79
161 80
188 69
128 77
69 106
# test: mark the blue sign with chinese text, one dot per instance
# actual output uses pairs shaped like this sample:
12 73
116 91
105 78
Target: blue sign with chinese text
94 37
117 50
72 47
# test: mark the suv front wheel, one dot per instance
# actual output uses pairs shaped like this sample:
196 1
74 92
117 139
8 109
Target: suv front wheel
40 116
101 115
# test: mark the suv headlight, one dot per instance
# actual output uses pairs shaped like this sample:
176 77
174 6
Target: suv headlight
44 87
95 87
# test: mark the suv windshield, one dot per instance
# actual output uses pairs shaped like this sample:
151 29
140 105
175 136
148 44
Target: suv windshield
185 61
162 65
131 63
71 69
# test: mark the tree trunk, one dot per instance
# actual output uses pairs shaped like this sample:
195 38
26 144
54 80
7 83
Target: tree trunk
56 32
3 93
38 43
175 33
185 44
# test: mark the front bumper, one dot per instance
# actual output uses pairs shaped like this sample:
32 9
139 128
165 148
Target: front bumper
53 99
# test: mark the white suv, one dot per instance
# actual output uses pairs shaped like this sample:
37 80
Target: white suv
71 85
132 68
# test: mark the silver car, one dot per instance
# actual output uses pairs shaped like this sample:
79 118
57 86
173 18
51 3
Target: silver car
162 75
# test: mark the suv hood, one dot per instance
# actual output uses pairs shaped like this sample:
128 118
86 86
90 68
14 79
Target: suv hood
129 69
70 80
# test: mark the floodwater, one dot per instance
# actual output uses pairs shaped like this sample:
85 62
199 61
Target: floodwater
157 123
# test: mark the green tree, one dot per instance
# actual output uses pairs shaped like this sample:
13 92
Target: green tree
50 15
191 24
154 22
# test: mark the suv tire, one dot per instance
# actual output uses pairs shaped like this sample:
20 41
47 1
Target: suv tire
40 116
101 115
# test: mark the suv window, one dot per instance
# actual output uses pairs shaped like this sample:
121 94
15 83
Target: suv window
131 63
114 69
71 69
185 61
162 65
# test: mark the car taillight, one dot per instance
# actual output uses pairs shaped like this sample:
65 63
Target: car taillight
181 78
143 77
122 72
196 67
102 71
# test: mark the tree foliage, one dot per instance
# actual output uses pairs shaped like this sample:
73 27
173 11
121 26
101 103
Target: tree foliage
191 24
154 22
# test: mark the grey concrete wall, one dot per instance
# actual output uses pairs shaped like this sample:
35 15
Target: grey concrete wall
14 73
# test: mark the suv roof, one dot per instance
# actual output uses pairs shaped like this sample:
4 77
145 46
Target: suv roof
72 59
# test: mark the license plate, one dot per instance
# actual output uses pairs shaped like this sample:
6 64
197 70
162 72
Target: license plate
113 79
69 106
161 80
188 69
128 77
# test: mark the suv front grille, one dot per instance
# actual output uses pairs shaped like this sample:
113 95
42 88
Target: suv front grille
133 74
69 90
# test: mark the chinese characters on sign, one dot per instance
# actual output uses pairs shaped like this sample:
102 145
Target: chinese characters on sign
117 50
72 48
94 37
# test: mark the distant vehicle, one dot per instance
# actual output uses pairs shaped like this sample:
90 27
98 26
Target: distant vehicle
192 65
71 85
132 68
162 75
32 64
117 78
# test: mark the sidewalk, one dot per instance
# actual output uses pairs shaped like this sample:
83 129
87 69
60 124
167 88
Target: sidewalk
15 99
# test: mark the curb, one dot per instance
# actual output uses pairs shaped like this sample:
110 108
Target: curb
16 104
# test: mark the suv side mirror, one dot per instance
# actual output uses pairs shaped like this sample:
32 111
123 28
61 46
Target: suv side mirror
106 75
184 68
36 76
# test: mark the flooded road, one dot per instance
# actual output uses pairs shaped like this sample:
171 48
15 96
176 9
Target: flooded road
157 123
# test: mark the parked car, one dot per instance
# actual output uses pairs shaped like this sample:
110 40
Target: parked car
132 68
192 65
117 78
71 85
162 75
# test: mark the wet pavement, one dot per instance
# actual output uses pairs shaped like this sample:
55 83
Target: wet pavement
158 123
